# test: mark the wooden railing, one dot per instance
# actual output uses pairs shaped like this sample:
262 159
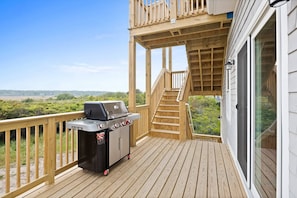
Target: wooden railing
185 120
142 125
147 12
162 82
178 78
36 150
166 80
39 148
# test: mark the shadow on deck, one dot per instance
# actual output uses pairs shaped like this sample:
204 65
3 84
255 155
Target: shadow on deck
157 168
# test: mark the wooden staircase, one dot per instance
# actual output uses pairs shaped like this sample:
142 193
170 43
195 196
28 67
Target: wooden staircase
166 120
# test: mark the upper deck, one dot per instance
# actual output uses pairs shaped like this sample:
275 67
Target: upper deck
202 26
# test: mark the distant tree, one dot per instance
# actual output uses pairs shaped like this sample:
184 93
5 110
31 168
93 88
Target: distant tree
65 96
28 100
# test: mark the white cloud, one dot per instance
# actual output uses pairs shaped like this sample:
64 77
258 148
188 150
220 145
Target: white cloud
84 68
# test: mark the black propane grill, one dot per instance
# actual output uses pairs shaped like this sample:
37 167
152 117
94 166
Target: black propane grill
104 135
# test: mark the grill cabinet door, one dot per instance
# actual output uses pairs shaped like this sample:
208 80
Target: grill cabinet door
119 144
114 146
125 141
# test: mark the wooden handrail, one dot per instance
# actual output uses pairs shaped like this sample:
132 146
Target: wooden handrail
43 131
182 98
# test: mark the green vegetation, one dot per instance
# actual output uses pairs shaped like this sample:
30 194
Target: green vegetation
265 114
64 102
205 112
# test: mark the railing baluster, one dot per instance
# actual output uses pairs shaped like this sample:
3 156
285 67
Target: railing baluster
72 145
202 5
138 13
45 144
67 147
182 7
61 142
18 157
28 136
146 12
151 11
7 161
36 151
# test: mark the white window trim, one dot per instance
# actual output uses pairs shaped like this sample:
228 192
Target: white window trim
282 98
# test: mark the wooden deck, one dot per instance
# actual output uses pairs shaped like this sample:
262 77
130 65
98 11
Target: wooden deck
158 168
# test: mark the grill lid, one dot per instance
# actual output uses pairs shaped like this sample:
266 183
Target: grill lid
105 110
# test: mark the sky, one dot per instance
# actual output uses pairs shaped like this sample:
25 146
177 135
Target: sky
71 45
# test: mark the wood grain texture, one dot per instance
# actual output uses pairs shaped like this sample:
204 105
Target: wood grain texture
158 168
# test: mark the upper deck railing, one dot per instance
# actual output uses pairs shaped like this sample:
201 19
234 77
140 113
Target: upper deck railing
148 12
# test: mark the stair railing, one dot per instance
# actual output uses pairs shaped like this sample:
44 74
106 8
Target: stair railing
186 130
190 118
162 82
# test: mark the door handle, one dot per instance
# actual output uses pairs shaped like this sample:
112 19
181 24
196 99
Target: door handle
236 106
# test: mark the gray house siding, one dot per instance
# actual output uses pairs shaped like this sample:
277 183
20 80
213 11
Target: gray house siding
244 15
292 69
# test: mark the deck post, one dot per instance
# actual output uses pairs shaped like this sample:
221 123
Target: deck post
51 149
148 82
164 57
132 86
182 121
170 59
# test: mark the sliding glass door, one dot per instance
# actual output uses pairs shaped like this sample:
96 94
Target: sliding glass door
265 111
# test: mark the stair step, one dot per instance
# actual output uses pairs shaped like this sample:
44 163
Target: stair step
166 123
169 105
165 133
166 117
168 111
175 92
165 126
172 113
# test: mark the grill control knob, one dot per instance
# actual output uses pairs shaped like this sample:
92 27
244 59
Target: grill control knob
100 126
116 125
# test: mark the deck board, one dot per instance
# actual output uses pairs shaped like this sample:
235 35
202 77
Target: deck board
193 176
158 168
221 171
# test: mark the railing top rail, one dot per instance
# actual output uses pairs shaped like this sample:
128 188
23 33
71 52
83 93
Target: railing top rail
181 71
37 120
